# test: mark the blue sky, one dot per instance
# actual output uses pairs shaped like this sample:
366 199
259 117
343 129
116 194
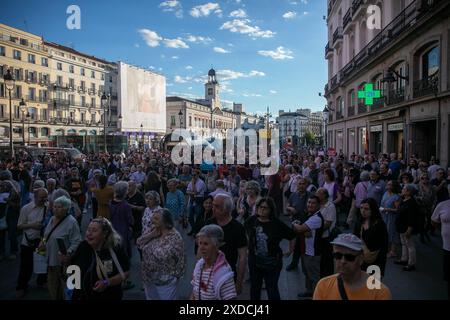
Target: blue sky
266 52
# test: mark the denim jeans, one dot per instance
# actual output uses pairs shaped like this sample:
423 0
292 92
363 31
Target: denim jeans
195 210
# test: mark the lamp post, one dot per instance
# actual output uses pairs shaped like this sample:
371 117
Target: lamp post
142 137
28 118
103 102
295 133
326 113
9 84
23 109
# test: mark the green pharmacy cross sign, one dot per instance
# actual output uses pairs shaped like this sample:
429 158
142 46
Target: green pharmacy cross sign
368 94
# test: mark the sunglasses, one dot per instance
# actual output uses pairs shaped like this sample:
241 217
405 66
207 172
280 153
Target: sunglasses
347 256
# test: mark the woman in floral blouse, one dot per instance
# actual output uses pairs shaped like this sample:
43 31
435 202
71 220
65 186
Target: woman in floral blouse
163 258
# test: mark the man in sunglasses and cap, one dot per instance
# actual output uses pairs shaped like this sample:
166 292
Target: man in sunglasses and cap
350 282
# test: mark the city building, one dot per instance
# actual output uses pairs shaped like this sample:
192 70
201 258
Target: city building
388 88
57 91
201 116
294 125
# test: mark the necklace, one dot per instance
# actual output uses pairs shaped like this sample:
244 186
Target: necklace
202 285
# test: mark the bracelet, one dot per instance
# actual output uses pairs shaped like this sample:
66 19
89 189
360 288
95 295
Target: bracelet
106 282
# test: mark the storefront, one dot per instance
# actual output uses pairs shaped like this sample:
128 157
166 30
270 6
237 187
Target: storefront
396 139
376 139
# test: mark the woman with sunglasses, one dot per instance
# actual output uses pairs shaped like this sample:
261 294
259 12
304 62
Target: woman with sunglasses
265 260
373 233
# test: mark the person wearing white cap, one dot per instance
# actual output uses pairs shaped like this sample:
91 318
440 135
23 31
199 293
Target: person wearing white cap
350 282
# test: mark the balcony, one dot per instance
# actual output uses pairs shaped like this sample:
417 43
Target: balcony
327 91
378 104
61 102
351 111
44 82
81 89
328 51
334 82
347 19
426 86
92 91
330 5
32 98
362 108
396 96
337 35
8 38
404 22
339 115
356 6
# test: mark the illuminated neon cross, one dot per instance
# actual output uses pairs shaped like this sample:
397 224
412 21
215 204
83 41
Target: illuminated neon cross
368 94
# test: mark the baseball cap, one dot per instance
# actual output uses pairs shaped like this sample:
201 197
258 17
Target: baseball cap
349 241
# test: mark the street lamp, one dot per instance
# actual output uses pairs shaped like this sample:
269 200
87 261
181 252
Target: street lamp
103 103
28 118
142 137
326 113
180 115
23 109
9 84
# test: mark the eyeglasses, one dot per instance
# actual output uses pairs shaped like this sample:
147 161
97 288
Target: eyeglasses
347 256
263 207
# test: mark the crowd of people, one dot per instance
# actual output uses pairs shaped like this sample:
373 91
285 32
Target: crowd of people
339 215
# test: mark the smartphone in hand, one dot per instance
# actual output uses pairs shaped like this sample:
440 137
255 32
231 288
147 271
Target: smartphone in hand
62 246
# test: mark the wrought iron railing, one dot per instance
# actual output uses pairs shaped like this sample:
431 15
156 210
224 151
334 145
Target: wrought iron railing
426 86
347 18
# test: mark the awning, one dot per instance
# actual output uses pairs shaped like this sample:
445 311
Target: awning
83 132
71 132
93 132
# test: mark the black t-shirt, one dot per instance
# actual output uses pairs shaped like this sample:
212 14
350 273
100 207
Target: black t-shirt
234 238
265 237
84 257
407 216
137 200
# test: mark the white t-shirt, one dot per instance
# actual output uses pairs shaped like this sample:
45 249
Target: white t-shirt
314 222
442 215
329 214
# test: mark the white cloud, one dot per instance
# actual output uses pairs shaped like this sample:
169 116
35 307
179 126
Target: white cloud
238 14
290 15
231 45
205 10
136 45
305 13
198 39
175 43
253 95
226 74
190 88
280 54
180 79
175 57
273 92
150 37
189 67
172 5
304 1
220 50
242 26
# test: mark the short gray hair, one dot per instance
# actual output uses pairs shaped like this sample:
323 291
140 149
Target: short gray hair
213 232
51 180
121 190
411 188
60 193
154 195
64 201
364 176
253 185
37 184
228 205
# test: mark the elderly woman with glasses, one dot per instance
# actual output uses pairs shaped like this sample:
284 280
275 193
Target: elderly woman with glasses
388 209
265 260
163 258
213 276
61 238
152 200
121 215
103 263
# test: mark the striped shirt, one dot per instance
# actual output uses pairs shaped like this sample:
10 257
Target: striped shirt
207 291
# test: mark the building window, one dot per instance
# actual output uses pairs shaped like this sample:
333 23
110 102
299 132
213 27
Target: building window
83 117
2 111
31 58
83 101
72 83
83 85
110 78
43 114
82 71
210 91
44 132
32 94
93 87
430 63
2 51
2 90
190 121
103 76
17 74
93 118
71 99
18 92
93 74
71 69
17 55
172 121
17 112
59 80
93 102
59 66
44 62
